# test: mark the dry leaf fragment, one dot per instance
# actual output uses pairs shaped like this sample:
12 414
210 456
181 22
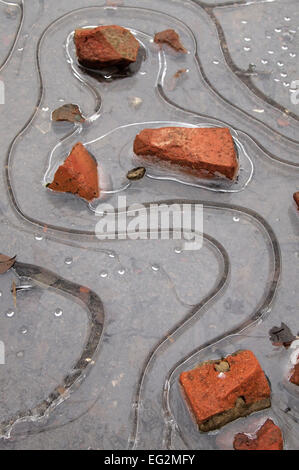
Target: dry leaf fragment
281 336
170 37
175 78
14 293
68 113
6 263
179 73
296 198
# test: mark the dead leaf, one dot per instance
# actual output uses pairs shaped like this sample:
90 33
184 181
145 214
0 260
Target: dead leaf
179 73
175 78
68 113
6 263
296 198
170 37
281 336
14 293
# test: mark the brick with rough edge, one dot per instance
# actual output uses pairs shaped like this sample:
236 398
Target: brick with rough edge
202 152
216 398
77 175
106 46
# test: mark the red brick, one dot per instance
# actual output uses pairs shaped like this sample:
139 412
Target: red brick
216 398
106 46
78 175
202 152
268 437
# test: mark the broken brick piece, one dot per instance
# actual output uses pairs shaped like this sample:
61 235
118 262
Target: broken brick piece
218 398
203 152
78 175
268 437
170 37
68 113
296 198
106 46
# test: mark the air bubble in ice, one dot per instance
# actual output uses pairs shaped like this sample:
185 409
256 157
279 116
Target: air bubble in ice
58 312
23 330
38 237
104 274
68 260
10 313
155 267
236 219
178 250
121 271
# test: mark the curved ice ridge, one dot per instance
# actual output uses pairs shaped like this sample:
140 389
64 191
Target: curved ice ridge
255 317
94 306
98 105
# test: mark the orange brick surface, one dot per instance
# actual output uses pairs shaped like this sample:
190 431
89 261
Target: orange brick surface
106 46
206 152
78 175
268 437
210 393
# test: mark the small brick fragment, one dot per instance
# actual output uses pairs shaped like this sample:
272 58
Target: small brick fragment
106 46
218 398
268 437
78 175
201 152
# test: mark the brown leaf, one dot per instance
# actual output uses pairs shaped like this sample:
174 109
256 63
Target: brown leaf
296 198
6 263
170 37
281 336
69 113
14 293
